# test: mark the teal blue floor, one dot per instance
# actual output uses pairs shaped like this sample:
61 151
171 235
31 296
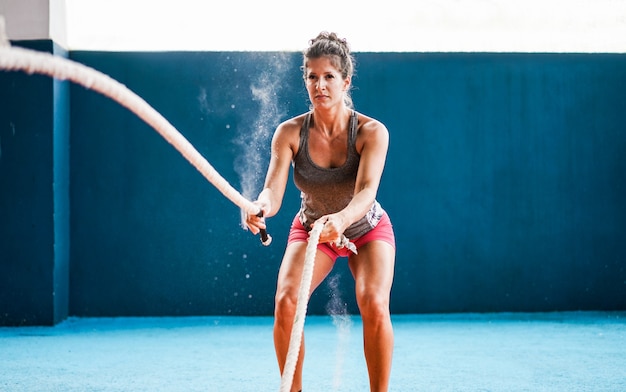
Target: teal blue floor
577 351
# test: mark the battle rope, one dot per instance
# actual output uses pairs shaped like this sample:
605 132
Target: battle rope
33 62
303 299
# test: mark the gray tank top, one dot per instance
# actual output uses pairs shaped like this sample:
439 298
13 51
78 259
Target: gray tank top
328 190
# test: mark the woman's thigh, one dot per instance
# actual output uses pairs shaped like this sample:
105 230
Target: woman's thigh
373 269
292 267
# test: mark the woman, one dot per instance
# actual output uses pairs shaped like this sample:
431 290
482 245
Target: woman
338 156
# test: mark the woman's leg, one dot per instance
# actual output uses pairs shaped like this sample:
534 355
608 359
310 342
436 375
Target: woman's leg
289 278
373 270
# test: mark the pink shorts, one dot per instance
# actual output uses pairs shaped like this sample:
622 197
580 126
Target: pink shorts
383 231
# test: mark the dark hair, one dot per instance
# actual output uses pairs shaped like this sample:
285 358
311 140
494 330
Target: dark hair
337 50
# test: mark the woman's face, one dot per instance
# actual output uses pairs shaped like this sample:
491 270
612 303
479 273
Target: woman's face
324 83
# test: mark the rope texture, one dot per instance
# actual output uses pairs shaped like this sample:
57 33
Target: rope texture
33 62
295 339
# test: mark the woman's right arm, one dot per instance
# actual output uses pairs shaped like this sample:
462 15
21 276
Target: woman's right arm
284 146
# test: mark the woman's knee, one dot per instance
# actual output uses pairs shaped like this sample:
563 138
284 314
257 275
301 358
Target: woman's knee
373 305
285 304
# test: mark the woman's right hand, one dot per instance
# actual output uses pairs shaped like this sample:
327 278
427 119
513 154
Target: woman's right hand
257 222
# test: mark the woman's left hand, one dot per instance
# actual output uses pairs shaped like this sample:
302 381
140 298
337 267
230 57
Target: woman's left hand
334 226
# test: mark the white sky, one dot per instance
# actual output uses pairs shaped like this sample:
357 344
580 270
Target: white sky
380 26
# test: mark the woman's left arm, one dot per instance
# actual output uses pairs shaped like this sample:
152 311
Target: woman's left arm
372 144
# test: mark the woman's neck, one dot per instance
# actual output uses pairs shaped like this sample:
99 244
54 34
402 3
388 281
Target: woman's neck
333 120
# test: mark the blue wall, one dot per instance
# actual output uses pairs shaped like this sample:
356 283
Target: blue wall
506 178
149 234
505 182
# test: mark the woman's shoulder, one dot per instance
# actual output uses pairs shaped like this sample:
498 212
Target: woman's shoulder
367 124
293 123
289 131
290 128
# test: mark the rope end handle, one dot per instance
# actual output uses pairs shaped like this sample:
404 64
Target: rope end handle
266 239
